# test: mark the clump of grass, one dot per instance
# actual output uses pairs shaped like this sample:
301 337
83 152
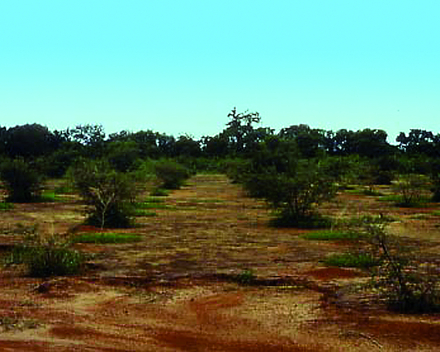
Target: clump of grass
144 213
333 236
149 205
105 238
6 206
246 277
48 196
352 260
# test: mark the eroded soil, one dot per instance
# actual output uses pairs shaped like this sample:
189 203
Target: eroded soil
177 289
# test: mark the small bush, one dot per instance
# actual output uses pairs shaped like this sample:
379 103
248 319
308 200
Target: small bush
410 190
47 258
22 182
246 277
109 194
405 283
171 174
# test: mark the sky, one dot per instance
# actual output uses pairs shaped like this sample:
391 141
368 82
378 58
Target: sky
180 66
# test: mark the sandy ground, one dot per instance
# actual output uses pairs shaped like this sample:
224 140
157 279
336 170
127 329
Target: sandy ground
175 290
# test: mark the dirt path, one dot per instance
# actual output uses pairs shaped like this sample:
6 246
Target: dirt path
175 290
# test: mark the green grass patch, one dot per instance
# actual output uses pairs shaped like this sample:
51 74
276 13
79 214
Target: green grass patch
63 189
106 238
144 212
436 213
399 201
332 236
352 260
48 196
6 206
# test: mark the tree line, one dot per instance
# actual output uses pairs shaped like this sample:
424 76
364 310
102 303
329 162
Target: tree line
56 150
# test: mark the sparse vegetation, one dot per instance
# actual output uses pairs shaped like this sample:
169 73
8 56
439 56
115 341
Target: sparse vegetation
352 260
46 257
333 236
106 238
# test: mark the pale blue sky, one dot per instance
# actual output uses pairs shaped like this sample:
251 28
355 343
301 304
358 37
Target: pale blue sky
181 66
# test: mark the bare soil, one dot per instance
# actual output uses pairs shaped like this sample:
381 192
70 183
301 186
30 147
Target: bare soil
177 289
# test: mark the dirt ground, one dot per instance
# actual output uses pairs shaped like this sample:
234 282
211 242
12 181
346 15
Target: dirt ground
176 290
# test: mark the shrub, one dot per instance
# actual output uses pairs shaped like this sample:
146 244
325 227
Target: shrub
410 188
294 195
109 194
407 284
22 182
171 174
47 258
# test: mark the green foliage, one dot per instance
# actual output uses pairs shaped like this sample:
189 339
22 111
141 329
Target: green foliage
123 156
352 260
44 258
295 194
6 206
104 238
407 285
246 277
22 182
405 282
410 188
108 193
171 174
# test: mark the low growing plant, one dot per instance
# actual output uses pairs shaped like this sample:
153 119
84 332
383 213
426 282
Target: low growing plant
410 189
352 260
105 238
44 258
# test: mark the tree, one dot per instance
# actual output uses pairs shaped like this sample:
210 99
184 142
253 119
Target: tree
108 193
29 141
240 131
310 141
22 182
